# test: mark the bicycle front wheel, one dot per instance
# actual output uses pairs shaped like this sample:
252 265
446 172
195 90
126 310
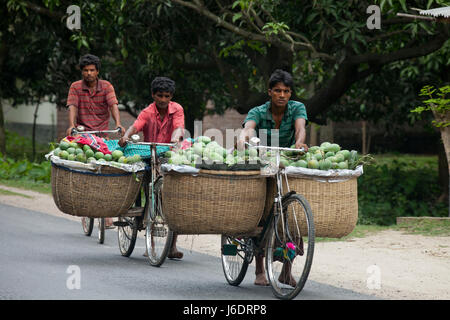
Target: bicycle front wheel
290 248
127 234
158 236
237 254
88 225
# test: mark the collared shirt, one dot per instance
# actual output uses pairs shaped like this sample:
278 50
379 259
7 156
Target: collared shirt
262 115
93 104
157 130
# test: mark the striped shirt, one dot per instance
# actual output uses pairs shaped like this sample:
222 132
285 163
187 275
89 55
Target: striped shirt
262 115
93 104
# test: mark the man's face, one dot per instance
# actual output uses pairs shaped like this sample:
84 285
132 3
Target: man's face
162 99
280 94
89 73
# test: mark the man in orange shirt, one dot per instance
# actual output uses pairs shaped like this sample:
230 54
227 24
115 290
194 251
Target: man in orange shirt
162 121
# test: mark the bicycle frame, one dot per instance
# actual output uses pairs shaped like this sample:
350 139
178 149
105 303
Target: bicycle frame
277 204
153 175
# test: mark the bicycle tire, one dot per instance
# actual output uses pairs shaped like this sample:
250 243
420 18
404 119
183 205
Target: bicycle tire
88 225
284 266
235 266
158 236
127 235
101 230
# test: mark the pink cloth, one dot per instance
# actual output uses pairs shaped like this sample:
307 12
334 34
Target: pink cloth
96 143
155 130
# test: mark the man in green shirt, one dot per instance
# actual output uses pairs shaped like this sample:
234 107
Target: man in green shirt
289 120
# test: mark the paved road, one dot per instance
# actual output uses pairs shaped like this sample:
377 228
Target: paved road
41 255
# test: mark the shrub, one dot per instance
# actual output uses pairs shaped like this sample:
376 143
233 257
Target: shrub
398 189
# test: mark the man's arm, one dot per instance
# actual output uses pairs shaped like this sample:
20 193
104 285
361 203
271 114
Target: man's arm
115 113
300 134
73 112
248 132
123 141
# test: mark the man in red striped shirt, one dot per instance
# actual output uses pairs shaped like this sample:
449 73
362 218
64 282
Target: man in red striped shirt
91 101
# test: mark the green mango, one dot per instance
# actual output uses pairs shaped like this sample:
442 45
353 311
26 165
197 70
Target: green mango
325 164
313 164
343 165
301 164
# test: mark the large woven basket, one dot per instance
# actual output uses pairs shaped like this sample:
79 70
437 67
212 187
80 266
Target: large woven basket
97 195
214 202
334 204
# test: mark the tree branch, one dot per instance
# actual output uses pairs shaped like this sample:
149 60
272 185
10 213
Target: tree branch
44 11
250 35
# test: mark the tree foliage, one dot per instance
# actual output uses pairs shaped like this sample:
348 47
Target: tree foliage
225 51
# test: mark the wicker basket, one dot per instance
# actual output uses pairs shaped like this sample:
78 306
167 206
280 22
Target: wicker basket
97 195
214 202
334 204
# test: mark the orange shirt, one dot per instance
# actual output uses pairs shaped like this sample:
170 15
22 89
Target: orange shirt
155 130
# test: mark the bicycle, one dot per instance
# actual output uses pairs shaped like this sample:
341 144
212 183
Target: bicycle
287 235
86 222
147 215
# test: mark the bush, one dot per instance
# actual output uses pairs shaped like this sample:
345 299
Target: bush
401 188
18 147
12 169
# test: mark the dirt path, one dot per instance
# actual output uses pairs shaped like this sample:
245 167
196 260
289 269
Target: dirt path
387 264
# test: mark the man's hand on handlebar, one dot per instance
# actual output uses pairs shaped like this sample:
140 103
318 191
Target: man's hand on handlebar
300 145
71 131
123 141
122 130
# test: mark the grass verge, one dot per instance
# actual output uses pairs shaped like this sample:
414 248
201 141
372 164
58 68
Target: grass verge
360 231
11 193
426 227
25 184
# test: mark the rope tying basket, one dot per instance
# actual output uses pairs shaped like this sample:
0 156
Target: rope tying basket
108 193
334 204
214 202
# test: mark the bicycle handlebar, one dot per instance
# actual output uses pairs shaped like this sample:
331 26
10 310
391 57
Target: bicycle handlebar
274 148
80 129
135 140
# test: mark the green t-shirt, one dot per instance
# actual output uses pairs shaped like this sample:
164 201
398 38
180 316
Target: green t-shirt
262 115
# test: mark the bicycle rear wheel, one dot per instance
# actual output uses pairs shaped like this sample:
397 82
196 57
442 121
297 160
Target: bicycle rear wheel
237 254
158 236
101 230
88 225
127 234
290 248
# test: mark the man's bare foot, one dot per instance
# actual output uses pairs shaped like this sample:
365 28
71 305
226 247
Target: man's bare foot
261 280
287 279
175 254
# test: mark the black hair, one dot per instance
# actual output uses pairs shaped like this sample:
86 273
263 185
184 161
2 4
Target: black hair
163 84
281 76
89 59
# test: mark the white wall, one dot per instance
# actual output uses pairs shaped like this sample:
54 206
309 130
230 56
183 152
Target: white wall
25 113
